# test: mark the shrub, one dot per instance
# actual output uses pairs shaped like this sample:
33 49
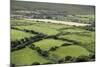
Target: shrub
44 53
61 61
92 56
82 59
48 63
66 44
53 48
68 58
12 65
36 63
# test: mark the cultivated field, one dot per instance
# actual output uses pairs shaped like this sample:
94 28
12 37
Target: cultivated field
37 42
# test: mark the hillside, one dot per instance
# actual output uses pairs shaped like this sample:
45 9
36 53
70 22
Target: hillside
68 8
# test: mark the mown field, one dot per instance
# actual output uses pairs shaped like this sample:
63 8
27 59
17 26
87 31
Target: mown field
35 42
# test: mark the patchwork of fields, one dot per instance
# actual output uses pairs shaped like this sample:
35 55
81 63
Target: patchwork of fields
37 42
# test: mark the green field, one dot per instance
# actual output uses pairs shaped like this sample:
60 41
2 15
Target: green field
52 44
27 56
86 40
72 50
18 35
44 30
66 34
46 44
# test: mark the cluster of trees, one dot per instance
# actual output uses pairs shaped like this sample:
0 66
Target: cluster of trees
39 50
18 44
56 47
29 31
82 58
26 41
53 48
89 28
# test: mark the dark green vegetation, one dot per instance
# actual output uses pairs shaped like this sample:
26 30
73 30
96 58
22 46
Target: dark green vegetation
39 42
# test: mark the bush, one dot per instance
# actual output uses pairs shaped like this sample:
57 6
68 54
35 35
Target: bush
22 40
53 48
21 47
61 61
12 65
92 56
44 53
82 59
66 44
48 63
32 46
36 63
68 58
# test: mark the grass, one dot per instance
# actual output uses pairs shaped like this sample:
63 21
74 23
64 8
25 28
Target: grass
74 30
82 18
86 39
44 30
17 35
86 16
26 56
72 50
51 25
21 22
46 44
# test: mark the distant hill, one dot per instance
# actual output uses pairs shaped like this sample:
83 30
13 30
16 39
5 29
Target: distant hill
69 8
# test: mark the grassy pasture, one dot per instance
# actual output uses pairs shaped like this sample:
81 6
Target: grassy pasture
44 30
20 22
86 39
46 44
73 30
86 16
26 56
17 35
51 25
72 50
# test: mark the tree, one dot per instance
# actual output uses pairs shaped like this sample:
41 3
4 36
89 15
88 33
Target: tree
48 63
36 63
44 53
61 61
12 65
92 56
20 47
68 58
48 17
66 44
32 46
53 48
22 40
82 59
26 39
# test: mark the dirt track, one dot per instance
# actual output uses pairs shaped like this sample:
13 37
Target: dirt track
60 22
